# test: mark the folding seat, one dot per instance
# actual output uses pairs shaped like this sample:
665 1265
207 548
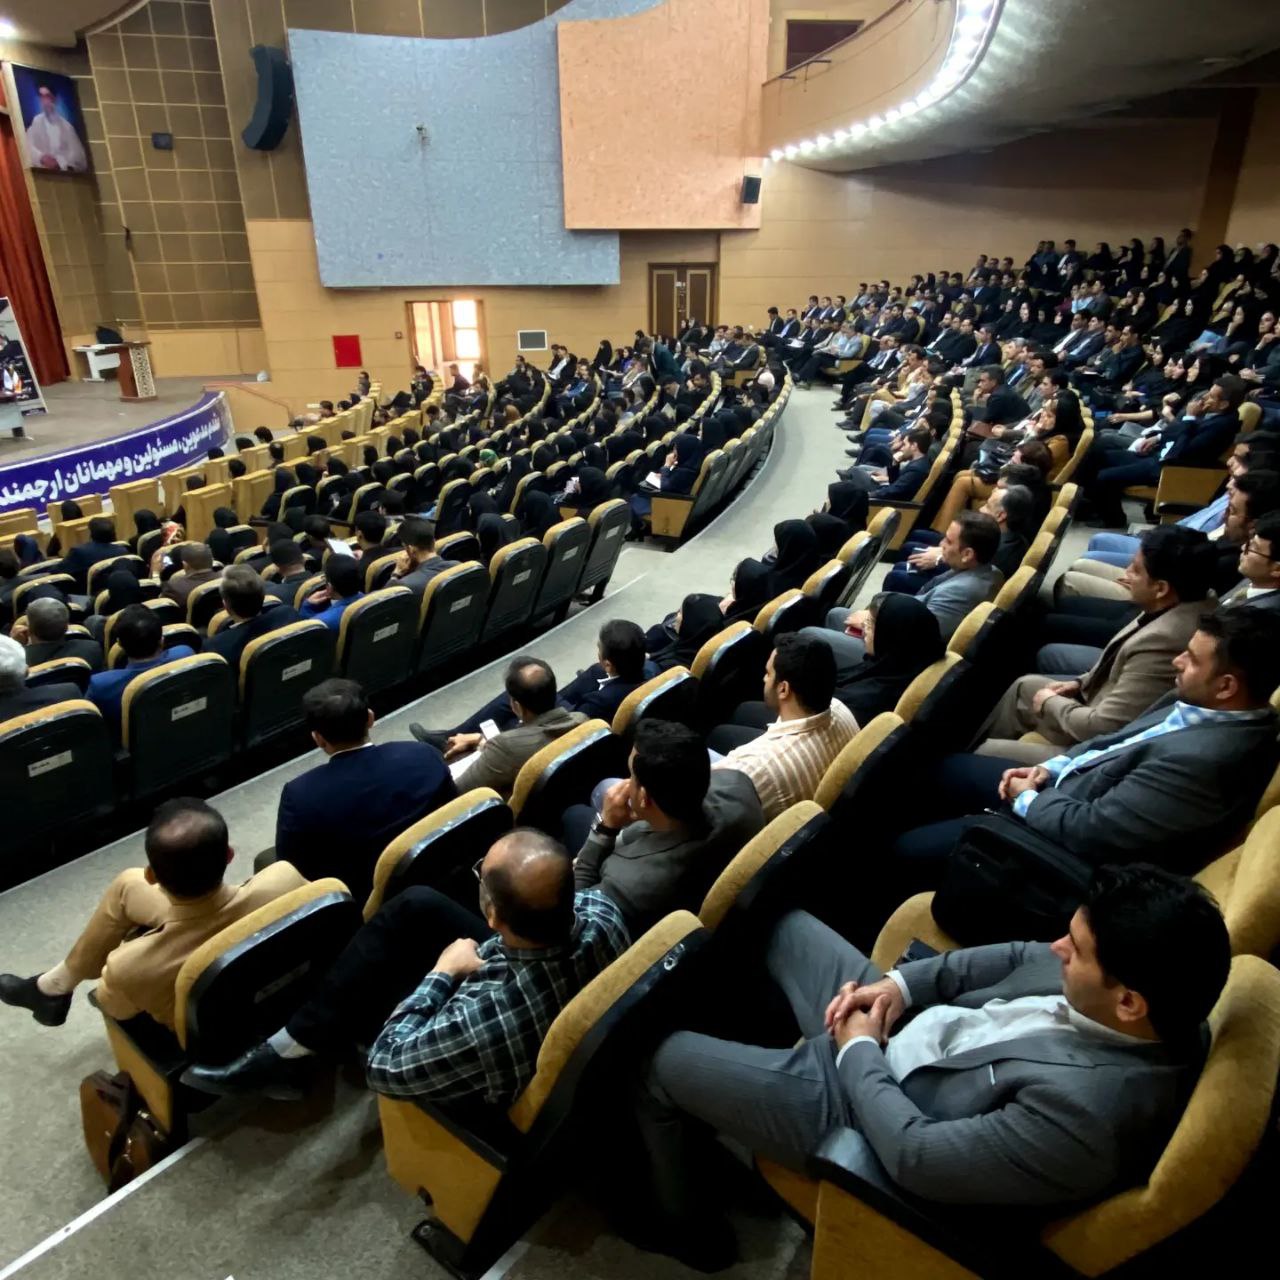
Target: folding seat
90 504
729 669
868 768
250 492
178 721
824 587
58 761
673 695
564 772
566 545
458 546
1071 464
203 602
199 506
1038 553
923 686
609 523
98 573
377 571
949 708
18 601
234 990
440 850
860 1218
74 671
488 1176
306 587
451 506
276 669
302 496
911 509
788 612
859 555
515 573
427 480
672 513
126 499
376 639
451 614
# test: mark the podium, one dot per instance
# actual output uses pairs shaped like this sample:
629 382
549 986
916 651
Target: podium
136 380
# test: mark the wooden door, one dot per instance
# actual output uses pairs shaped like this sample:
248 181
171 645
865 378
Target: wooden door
680 292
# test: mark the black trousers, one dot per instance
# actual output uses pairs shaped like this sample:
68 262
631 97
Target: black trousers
381 966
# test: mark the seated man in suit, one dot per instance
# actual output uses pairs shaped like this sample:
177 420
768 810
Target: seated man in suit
15 698
45 635
197 569
140 633
344 584
905 473
243 594
786 762
291 570
656 840
995 403
336 819
968 547
1018 1075
468 1029
597 692
1259 586
102 545
1177 785
419 561
180 901
540 719
1168 580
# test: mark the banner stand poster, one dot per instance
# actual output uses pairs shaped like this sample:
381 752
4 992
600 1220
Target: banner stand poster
20 393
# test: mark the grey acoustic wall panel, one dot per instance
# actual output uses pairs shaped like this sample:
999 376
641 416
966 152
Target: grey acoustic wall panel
475 196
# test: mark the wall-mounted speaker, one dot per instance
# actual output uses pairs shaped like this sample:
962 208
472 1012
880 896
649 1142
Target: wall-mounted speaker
751 189
274 107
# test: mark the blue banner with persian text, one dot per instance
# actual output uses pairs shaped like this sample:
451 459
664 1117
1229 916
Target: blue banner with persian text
94 468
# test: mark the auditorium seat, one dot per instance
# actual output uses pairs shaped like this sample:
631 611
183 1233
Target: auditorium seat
563 773
178 721
451 506
788 612
377 570
203 602
18 601
824 587
872 754
609 522
462 545
451 614
58 759
240 986
74 671
276 669
1069 467
949 713
911 509
377 636
566 545
487 1176
673 695
97 576
923 686
729 669
515 573
673 513
440 850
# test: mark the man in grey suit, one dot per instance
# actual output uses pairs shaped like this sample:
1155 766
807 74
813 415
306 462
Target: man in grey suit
1178 785
1020 1074
1259 586
968 546
418 562
656 840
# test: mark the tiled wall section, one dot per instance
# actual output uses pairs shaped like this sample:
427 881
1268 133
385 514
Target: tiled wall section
274 183
300 315
158 71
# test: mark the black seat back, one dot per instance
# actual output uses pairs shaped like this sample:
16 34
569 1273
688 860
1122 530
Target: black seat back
276 669
566 545
376 639
452 612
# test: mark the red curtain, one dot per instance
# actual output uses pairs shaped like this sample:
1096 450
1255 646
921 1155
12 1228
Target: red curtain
23 279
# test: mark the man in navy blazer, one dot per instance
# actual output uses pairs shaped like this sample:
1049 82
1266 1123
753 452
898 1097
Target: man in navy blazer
336 819
906 474
243 597
102 545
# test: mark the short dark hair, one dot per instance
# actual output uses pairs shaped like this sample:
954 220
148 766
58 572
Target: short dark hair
1182 557
808 666
1268 529
196 555
418 534
1261 489
275 451
102 529
993 371
187 847
285 553
225 517
546 922
371 525
338 710
9 565
622 643
1247 642
921 437
1019 506
672 765
342 573
531 682
236 468
315 527
138 631
242 591
1232 387
1162 935
980 533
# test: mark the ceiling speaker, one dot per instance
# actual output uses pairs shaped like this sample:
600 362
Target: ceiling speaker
274 107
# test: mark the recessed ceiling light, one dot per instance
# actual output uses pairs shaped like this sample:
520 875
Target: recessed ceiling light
775 154
7 29
840 135
790 151
875 123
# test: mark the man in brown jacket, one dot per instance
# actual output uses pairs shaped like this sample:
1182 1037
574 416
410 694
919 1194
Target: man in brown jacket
197 569
1168 578
179 899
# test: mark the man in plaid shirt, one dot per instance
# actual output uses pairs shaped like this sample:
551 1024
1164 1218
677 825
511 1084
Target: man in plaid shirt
472 1027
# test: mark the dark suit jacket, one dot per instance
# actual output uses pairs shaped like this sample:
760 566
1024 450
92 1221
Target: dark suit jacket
1089 345
20 701
1003 406
1199 442
79 560
231 642
649 873
595 700
67 647
284 589
906 483
337 819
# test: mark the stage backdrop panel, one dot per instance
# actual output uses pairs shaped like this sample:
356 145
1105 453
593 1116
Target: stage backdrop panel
480 201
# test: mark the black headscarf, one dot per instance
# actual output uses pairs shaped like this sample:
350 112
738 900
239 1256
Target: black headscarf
906 640
798 556
492 533
480 505
848 502
123 589
700 619
593 487
750 590
537 513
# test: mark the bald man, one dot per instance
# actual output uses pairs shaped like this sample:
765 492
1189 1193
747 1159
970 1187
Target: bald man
472 1026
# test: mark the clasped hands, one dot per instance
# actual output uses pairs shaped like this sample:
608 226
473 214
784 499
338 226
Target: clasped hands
870 1010
1058 688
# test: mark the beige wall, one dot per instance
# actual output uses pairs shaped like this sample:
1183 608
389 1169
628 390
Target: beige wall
300 316
823 233
701 133
781 11
1255 216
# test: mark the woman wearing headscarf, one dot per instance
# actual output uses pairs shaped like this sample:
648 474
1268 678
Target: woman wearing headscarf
678 476
695 622
796 556
144 521
748 592
537 513
1183 326
604 355
283 480
122 590
480 505
504 494
219 540
587 490
492 533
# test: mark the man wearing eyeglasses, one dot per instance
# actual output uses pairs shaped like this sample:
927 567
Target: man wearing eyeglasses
471 1027
1259 587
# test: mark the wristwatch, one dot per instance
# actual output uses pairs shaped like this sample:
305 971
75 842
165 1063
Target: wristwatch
598 828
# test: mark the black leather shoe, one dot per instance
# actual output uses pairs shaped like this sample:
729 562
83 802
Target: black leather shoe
854 452
260 1070
437 738
22 993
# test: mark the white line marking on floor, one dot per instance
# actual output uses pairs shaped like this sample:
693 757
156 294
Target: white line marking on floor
503 1264
89 1215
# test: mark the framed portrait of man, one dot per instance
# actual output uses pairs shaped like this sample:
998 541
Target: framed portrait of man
52 125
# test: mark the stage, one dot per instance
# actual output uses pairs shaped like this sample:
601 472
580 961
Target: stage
82 413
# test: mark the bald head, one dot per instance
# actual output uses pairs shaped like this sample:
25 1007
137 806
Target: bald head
47 619
526 888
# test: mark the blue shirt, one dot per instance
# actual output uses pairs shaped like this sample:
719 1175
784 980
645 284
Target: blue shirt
1209 518
106 689
329 614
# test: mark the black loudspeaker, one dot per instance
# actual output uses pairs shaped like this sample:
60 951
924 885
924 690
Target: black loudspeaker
275 99
750 190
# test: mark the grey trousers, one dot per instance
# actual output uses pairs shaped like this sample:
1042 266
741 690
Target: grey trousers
778 1102
1069 660
849 650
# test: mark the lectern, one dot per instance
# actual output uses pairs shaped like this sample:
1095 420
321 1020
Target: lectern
136 380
